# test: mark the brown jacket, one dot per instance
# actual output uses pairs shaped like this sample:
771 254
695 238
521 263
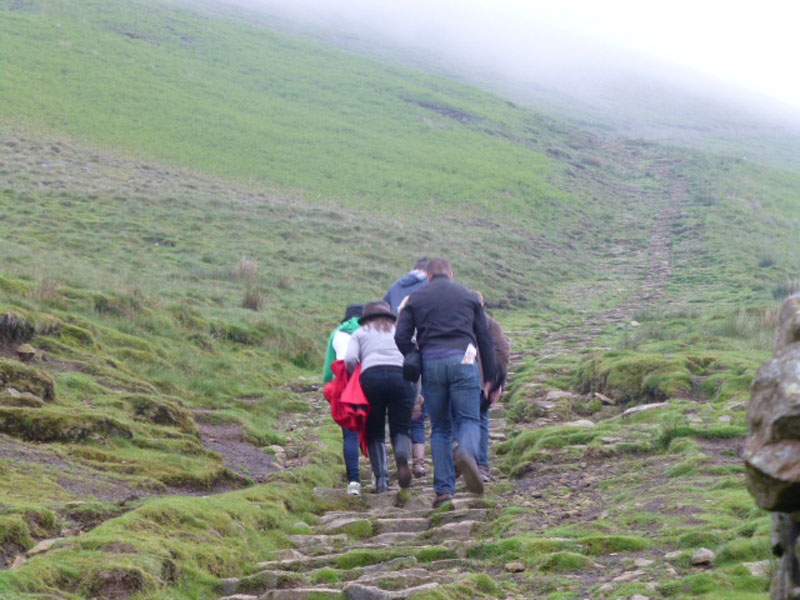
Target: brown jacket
501 349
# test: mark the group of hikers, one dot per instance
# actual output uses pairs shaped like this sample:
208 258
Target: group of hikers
427 350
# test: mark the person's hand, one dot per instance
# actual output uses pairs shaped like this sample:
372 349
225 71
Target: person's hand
495 395
487 389
416 412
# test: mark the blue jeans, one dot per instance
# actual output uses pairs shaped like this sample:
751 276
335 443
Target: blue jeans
417 428
351 454
452 396
483 452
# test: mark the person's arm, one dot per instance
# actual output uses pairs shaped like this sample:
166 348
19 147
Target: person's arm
485 344
353 355
340 341
404 332
330 356
501 347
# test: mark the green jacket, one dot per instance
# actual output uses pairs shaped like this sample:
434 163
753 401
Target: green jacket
347 327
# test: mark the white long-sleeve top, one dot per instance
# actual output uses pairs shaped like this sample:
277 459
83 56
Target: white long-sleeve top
371 348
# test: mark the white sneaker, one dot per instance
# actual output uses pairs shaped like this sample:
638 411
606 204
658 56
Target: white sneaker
354 488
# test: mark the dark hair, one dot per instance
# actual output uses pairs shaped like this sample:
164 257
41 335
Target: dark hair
421 264
438 266
382 324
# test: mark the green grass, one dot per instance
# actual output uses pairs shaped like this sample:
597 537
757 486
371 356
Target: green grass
149 151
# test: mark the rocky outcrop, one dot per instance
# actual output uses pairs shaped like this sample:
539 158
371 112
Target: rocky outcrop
772 450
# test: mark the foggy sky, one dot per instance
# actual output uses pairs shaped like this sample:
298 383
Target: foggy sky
569 43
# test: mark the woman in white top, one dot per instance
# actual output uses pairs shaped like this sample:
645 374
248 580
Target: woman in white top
382 381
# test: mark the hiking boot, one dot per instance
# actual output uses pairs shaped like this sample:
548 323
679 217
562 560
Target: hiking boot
486 474
418 451
441 499
467 466
402 454
404 476
377 457
354 488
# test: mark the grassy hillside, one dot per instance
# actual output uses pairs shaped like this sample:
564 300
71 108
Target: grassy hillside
168 83
188 202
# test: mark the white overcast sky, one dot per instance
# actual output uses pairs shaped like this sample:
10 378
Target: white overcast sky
749 43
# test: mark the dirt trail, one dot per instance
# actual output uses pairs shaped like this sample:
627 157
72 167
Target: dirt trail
652 269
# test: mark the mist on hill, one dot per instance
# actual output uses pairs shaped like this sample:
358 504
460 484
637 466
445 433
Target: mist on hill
560 68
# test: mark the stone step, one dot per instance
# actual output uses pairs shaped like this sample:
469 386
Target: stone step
394 537
315 542
460 530
497 412
304 563
357 591
310 593
447 564
391 525
263 580
404 578
344 524
464 514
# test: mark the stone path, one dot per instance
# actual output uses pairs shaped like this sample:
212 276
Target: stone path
383 546
393 545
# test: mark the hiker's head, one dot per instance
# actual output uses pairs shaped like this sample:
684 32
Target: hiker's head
353 310
421 264
439 266
378 315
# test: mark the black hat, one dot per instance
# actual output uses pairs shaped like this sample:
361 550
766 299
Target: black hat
373 310
353 310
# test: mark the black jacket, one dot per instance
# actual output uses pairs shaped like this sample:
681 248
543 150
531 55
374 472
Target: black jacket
446 315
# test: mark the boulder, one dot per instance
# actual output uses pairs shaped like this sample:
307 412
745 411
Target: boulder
703 556
555 395
605 399
772 448
644 407
25 352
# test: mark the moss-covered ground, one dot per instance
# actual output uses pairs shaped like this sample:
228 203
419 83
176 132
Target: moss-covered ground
178 238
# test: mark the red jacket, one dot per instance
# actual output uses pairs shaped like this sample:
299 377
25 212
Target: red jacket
349 405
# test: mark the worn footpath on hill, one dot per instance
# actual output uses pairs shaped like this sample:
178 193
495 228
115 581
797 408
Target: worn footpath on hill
394 545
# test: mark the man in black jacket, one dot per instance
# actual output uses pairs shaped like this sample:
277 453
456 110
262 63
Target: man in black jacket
451 327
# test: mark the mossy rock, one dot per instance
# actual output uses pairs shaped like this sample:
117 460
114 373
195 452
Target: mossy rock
564 562
162 411
27 379
15 536
42 522
126 305
635 377
8 398
270 579
117 581
73 335
48 425
16 328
